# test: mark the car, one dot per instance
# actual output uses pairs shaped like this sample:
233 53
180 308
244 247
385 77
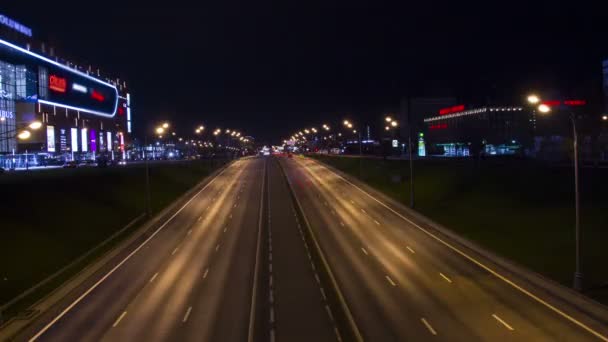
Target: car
70 164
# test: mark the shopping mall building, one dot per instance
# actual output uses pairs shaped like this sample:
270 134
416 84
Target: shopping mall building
53 110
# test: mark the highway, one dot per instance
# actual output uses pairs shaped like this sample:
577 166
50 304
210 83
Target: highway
401 284
233 264
191 280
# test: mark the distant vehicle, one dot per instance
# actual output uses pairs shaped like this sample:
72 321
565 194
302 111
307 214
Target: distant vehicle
70 164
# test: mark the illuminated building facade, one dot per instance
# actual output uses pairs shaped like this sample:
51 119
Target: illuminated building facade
83 116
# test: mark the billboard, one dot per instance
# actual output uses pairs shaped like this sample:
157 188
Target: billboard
60 85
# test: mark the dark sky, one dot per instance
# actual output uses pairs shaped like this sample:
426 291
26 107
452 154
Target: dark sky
270 68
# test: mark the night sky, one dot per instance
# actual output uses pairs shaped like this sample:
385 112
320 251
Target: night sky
268 69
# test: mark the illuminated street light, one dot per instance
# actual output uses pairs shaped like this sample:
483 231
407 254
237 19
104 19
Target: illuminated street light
605 117
35 125
354 131
387 128
307 131
394 123
173 133
388 119
160 130
201 127
533 99
166 125
543 108
23 135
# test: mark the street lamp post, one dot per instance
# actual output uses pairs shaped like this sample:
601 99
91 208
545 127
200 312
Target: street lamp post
578 275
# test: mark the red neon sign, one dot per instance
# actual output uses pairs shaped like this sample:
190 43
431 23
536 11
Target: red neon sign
58 84
575 102
450 110
552 103
439 126
97 96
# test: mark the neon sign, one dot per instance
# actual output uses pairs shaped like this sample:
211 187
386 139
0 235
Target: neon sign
57 83
97 96
439 126
10 23
575 102
450 110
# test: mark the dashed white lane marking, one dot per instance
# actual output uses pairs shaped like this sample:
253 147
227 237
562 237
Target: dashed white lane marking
446 278
235 205
503 322
352 202
119 319
390 281
175 250
323 293
199 218
376 222
329 313
206 272
187 315
217 247
410 249
271 314
189 231
342 223
364 251
363 211
428 326
272 337
154 277
225 228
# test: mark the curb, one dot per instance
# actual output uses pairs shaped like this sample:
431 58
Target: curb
350 321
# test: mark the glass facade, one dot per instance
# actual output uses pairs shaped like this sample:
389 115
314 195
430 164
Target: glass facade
605 79
8 118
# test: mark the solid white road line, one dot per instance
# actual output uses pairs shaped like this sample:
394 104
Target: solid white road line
446 278
428 326
187 315
390 281
503 322
364 251
154 277
410 249
480 264
119 319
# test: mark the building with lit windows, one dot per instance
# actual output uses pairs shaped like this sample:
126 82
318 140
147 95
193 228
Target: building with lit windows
52 110
461 131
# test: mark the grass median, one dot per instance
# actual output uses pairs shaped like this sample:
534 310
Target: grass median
522 210
51 217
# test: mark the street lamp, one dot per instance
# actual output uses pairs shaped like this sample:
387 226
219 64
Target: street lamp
160 130
24 135
35 125
165 125
578 276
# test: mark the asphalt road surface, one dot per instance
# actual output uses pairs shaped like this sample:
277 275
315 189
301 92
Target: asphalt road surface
403 285
190 281
232 264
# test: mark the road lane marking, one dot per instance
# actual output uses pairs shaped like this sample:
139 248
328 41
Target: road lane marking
323 294
199 218
153 277
377 223
363 211
502 322
271 296
217 247
175 250
271 315
428 326
189 231
225 228
119 319
187 315
446 278
331 316
352 202
480 264
410 249
390 281
364 251
342 223
206 272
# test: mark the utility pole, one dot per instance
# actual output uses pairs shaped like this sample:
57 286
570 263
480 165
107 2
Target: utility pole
578 276
405 109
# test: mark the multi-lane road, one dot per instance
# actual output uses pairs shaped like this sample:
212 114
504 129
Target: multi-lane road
234 263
